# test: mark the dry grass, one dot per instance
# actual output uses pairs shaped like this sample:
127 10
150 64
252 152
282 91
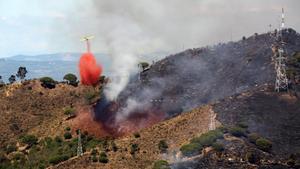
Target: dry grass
175 131
30 108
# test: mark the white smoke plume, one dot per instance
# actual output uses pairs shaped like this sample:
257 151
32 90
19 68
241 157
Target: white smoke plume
131 29
127 29
126 42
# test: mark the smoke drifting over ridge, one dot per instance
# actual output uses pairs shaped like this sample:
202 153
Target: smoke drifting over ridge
130 29
170 24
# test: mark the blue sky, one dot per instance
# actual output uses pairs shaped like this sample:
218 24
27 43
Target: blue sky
49 26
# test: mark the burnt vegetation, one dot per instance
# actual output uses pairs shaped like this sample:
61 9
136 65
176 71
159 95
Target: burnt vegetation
199 76
236 79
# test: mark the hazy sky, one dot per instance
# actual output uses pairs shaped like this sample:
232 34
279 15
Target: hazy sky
146 26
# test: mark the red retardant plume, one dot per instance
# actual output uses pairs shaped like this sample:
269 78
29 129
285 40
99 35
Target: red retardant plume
89 70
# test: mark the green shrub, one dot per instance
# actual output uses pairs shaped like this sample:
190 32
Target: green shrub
105 145
68 129
58 158
10 148
69 111
92 142
3 158
114 146
237 131
94 152
218 147
163 146
58 139
29 139
264 144
136 135
12 79
222 129
41 166
207 139
134 148
19 157
103 157
161 164
94 158
47 82
190 149
68 135
242 125
198 143
253 137
48 141
71 79
90 96
5 163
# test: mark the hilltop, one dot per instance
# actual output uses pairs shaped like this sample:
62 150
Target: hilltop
198 76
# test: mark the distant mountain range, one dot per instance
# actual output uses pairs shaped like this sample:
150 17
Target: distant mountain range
54 57
53 65
57 65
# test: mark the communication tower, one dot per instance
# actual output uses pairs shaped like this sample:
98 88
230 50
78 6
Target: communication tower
280 57
79 147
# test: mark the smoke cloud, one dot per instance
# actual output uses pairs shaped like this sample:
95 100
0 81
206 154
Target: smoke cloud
170 25
130 29
124 45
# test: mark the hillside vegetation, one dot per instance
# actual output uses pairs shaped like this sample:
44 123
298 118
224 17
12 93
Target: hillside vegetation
220 107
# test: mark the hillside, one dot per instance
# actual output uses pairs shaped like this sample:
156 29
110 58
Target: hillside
275 116
198 76
265 112
201 108
176 132
173 131
30 108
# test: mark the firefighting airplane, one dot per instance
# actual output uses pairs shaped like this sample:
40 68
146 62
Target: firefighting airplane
87 39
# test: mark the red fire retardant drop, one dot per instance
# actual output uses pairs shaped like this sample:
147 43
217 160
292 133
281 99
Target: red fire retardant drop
89 70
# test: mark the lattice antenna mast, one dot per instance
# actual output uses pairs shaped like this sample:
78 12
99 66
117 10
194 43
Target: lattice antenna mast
87 40
79 147
280 57
282 19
